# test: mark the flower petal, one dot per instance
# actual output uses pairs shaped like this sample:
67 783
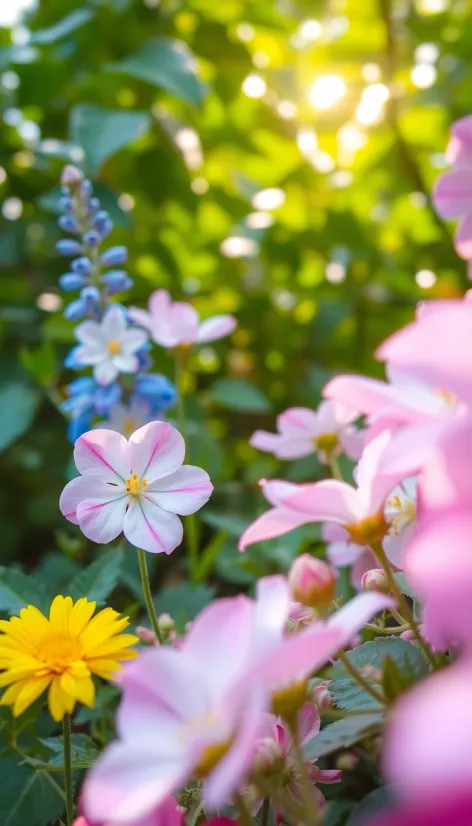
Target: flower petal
275 522
73 494
184 491
216 327
103 454
156 450
141 317
149 527
132 341
129 781
453 193
328 500
101 519
352 617
90 333
126 363
113 323
105 371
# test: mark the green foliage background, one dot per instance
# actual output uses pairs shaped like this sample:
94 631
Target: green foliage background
117 79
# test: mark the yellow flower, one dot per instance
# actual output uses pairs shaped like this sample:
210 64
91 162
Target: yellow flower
60 653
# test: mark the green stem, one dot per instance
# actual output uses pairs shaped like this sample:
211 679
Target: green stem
245 817
334 467
402 603
68 770
265 811
310 805
148 595
360 680
191 523
398 629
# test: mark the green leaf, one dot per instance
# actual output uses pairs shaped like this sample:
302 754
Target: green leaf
101 132
237 394
183 602
404 586
66 26
168 64
370 805
18 405
41 363
17 590
347 694
83 749
98 580
234 524
343 733
27 796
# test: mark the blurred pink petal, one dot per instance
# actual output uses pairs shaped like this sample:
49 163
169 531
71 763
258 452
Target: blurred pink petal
327 500
452 193
216 327
272 523
430 812
459 150
463 238
173 324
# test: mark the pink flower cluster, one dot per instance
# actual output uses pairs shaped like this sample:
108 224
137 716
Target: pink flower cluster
453 190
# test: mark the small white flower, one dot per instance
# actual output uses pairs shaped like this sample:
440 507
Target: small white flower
126 419
109 346
400 513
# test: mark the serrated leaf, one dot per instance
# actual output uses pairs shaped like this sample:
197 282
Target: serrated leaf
98 580
17 590
18 405
101 132
371 804
168 64
237 394
343 733
26 796
66 26
348 695
404 586
83 750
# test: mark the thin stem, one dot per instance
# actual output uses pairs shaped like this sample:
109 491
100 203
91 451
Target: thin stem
312 813
192 533
265 811
334 467
398 629
245 817
148 595
68 769
402 603
360 680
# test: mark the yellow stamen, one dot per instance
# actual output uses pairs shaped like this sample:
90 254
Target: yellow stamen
369 531
135 485
327 442
114 347
210 758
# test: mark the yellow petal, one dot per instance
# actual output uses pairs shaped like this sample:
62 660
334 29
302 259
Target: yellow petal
85 691
112 645
11 693
59 614
104 668
30 691
56 700
68 683
80 616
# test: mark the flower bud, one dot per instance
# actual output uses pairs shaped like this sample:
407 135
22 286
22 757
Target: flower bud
92 238
115 256
75 311
347 761
117 281
66 246
312 582
82 265
375 580
322 697
408 635
269 758
86 188
72 281
68 223
71 177
165 623
146 636
91 296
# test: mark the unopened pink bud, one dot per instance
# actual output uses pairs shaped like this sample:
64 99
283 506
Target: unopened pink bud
312 582
322 697
71 176
375 580
408 635
347 761
146 635
269 757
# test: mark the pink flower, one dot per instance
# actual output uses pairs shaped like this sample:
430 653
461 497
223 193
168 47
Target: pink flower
412 409
197 711
173 324
279 736
450 812
168 813
428 741
453 190
359 510
327 431
136 486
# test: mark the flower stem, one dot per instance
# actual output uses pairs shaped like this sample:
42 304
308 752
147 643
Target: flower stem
334 467
360 680
245 817
402 603
148 595
68 769
191 522
310 805
265 811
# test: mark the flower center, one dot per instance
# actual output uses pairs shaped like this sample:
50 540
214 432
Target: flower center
286 701
405 514
114 347
135 485
369 531
58 651
327 442
210 757
129 426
